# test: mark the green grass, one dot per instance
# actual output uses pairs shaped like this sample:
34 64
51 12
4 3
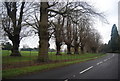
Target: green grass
21 71
23 53
31 56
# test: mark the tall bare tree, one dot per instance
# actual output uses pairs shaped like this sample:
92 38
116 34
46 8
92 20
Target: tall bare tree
68 35
47 9
43 32
59 33
84 29
11 24
93 42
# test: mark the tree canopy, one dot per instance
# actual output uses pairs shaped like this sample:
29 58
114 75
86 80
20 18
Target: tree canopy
114 44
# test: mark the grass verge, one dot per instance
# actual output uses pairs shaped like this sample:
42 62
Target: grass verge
31 69
27 57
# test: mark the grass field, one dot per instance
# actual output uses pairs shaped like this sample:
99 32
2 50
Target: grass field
20 65
30 56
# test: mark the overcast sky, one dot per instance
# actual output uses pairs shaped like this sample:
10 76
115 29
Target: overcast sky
110 10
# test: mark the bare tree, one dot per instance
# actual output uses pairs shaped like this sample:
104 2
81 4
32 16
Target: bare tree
11 24
84 29
68 35
43 32
93 41
59 33
52 10
81 18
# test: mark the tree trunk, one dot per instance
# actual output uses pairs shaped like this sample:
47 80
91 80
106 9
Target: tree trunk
82 49
93 50
68 49
43 33
13 32
76 50
58 48
15 49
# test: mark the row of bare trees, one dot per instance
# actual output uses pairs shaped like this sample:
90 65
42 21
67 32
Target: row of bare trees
74 28
68 22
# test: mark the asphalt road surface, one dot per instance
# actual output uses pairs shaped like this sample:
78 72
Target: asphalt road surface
101 68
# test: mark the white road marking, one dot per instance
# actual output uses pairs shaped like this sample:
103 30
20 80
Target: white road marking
99 63
113 55
73 75
92 66
105 60
109 58
86 69
66 80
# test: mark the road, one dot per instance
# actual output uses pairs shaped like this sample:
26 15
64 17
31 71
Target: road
101 68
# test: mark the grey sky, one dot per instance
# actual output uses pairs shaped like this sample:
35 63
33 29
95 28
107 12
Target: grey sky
108 7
